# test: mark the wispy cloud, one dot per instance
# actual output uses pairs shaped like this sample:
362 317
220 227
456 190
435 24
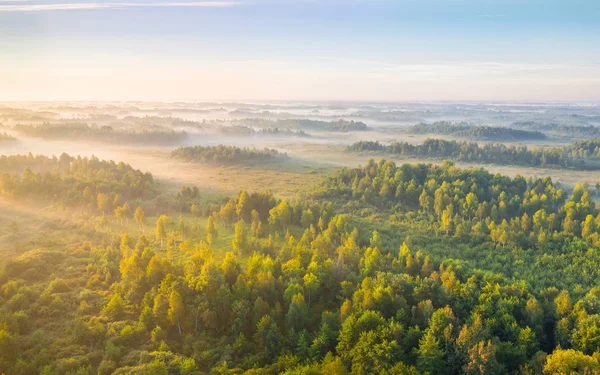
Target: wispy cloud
101 5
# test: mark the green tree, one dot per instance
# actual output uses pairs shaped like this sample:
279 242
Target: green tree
425 201
115 307
267 338
257 225
176 310
307 218
211 231
429 355
156 367
570 362
311 285
241 208
280 216
471 204
240 238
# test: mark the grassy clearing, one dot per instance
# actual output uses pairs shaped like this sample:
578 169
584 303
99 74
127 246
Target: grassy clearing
286 180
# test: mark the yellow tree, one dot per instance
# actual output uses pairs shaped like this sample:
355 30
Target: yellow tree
194 209
161 231
140 217
103 202
425 201
447 217
211 230
570 362
176 310
119 214
240 238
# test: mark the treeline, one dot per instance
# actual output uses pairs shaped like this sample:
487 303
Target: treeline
306 124
248 131
580 155
6 138
485 133
95 133
98 184
222 154
582 131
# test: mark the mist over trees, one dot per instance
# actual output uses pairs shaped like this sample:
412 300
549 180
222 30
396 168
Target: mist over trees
579 155
380 269
222 154
486 133
146 265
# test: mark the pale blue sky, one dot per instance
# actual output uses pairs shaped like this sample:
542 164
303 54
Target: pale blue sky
303 49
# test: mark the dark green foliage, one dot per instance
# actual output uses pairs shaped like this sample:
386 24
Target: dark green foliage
583 155
226 154
481 133
578 131
73 181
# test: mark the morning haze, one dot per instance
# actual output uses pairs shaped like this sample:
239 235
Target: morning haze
299 187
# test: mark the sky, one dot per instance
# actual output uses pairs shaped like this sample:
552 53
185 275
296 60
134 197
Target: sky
354 50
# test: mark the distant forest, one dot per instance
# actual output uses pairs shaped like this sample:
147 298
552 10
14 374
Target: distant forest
305 124
226 154
487 133
579 155
108 134
6 138
248 131
586 131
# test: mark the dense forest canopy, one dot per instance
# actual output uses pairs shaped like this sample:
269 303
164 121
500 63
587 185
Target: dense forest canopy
381 269
73 181
579 155
222 154
485 133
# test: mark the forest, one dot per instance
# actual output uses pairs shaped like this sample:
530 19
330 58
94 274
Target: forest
579 155
275 246
477 133
104 133
381 269
306 124
584 131
222 154
248 131
73 181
